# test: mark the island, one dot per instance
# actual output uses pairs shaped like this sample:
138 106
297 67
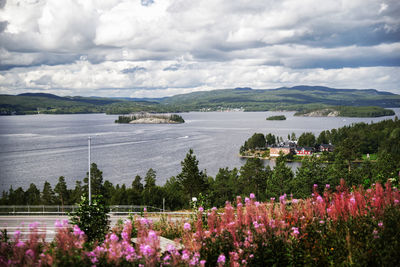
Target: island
150 118
276 118
346 111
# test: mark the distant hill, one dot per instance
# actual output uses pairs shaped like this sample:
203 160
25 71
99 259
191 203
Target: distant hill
294 98
298 98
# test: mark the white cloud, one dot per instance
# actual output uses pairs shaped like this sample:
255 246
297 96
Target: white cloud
174 46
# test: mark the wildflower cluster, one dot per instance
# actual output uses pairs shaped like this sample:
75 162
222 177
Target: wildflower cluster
351 225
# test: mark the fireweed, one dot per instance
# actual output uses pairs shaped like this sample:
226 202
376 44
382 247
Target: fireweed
351 226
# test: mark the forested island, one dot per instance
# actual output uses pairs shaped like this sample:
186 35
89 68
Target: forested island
149 118
346 111
276 118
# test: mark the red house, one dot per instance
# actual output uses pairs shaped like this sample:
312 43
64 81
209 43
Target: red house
304 151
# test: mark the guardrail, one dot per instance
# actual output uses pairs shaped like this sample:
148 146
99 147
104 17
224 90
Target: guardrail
66 209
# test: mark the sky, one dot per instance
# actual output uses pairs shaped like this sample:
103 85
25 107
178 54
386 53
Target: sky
157 48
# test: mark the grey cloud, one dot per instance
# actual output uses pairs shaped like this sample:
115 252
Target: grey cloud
173 67
3 26
133 70
3 3
147 2
38 59
44 80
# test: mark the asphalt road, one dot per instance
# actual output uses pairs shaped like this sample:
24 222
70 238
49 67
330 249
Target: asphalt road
46 224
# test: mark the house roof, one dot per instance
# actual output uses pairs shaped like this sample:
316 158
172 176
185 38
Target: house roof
304 148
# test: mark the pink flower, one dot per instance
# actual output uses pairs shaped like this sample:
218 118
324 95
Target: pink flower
17 234
327 186
246 200
315 185
58 224
187 227
221 259
321 221
320 199
146 250
201 209
152 235
295 201
77 231
30 253
295 231
252 196
380 224
202 263
185 255
20 244
114 237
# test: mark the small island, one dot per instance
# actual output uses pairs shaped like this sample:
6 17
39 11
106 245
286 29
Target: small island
347 111
277 118
150 118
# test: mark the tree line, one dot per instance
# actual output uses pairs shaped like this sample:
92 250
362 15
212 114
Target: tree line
382 138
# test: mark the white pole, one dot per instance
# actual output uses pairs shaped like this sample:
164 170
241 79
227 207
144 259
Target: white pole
90 190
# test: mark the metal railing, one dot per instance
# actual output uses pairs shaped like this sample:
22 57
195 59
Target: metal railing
66 209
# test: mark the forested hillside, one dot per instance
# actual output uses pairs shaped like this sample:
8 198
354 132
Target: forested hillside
298 98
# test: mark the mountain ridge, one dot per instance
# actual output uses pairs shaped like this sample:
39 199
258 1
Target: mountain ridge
296 98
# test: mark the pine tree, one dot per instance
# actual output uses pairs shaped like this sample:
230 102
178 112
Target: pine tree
278 183
62 191
48 196
192 180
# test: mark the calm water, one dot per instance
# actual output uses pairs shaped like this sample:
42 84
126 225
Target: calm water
43 147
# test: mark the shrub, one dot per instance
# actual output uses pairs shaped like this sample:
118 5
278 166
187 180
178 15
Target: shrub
92 219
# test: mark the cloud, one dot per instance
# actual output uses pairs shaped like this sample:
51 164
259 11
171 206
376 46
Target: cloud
154 47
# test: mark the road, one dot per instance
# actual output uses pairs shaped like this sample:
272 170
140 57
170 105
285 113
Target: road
46 223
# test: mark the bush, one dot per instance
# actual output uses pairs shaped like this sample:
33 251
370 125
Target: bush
92 219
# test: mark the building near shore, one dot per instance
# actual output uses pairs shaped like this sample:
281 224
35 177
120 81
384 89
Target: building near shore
276 151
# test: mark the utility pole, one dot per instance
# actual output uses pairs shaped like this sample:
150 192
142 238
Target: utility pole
163 204
90 190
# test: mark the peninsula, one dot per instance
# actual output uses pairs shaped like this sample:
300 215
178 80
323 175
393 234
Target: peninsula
150 118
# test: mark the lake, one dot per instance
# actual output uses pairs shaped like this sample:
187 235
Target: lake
36 148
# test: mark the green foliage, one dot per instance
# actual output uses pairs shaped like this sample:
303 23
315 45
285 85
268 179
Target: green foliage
96 180
62 191
311 172
177 118
306 139
347 111
191 178
48 196
253 178
225 186
276 118
92 219
279 182
124 119
32 195
257 141
271 139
